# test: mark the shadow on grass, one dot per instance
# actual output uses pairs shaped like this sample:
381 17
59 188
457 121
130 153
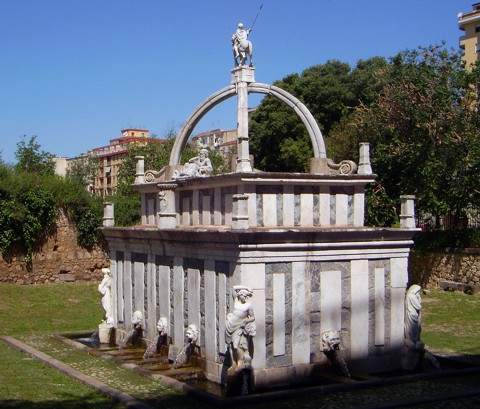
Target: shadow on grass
90 401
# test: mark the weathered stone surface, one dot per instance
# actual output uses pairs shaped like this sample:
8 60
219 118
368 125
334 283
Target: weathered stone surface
460 266
60 259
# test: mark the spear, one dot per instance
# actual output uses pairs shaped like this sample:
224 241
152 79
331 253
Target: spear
251 27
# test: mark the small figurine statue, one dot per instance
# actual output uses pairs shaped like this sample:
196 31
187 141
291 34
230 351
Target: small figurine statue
197 166
242 47
105 289
240 328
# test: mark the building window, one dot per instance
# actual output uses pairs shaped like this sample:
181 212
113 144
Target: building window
477 29
477 48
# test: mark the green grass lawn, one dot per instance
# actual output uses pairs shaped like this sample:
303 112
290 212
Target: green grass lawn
41 309
451 321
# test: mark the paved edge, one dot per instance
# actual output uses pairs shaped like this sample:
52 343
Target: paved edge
123 398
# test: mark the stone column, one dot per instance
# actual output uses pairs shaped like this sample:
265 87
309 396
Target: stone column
407 212
167 215
240 211
140 170
241 76
364 167
108 215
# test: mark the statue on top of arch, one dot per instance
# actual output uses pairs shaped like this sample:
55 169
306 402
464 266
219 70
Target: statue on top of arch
242 46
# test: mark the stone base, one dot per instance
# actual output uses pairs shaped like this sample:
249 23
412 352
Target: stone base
243 73
104 332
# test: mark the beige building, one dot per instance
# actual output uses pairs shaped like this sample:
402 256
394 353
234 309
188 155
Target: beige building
470 41
111 156
217 139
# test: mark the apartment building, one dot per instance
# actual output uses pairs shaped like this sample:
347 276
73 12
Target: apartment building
111 156
470 41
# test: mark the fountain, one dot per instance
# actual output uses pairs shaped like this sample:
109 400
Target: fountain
331 348
189 348
261 264
133 337
159 340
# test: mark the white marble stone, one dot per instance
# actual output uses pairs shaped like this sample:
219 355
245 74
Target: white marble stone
164 293
228 209
222 311
152 295
288 206
139 288
331 301
341 210
270 209
300 314
206 210
306 209
178 308
217 206
186 211
358 209
195 208
253 276
211 350
324 200
278 314
379 306
193 284
359 309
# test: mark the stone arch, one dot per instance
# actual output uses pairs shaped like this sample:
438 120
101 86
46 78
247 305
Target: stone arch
213 100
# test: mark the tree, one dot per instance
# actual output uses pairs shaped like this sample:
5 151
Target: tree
83 169
331 91
423 130
30 158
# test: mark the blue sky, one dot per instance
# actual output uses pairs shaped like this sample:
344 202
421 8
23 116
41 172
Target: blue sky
76 72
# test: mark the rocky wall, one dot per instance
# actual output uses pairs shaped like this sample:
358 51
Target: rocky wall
60 259
458 265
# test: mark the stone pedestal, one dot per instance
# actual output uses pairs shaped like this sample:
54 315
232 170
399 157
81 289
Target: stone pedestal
104 332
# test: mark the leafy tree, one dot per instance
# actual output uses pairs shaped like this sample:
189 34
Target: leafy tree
30 198
423 129
331 91
30 158
83 169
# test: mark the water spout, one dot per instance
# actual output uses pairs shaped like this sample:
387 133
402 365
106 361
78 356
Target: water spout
331 348
187 351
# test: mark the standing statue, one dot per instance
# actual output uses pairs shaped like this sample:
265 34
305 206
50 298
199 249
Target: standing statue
198 166
242 47
413 318
105 289
415 355
240 328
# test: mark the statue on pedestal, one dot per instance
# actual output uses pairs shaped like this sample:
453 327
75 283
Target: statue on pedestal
242 47
105 290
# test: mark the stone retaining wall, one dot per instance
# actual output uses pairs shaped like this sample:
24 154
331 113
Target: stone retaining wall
60 259
459 265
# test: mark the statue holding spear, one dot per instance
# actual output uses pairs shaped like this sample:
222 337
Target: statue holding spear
242 46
